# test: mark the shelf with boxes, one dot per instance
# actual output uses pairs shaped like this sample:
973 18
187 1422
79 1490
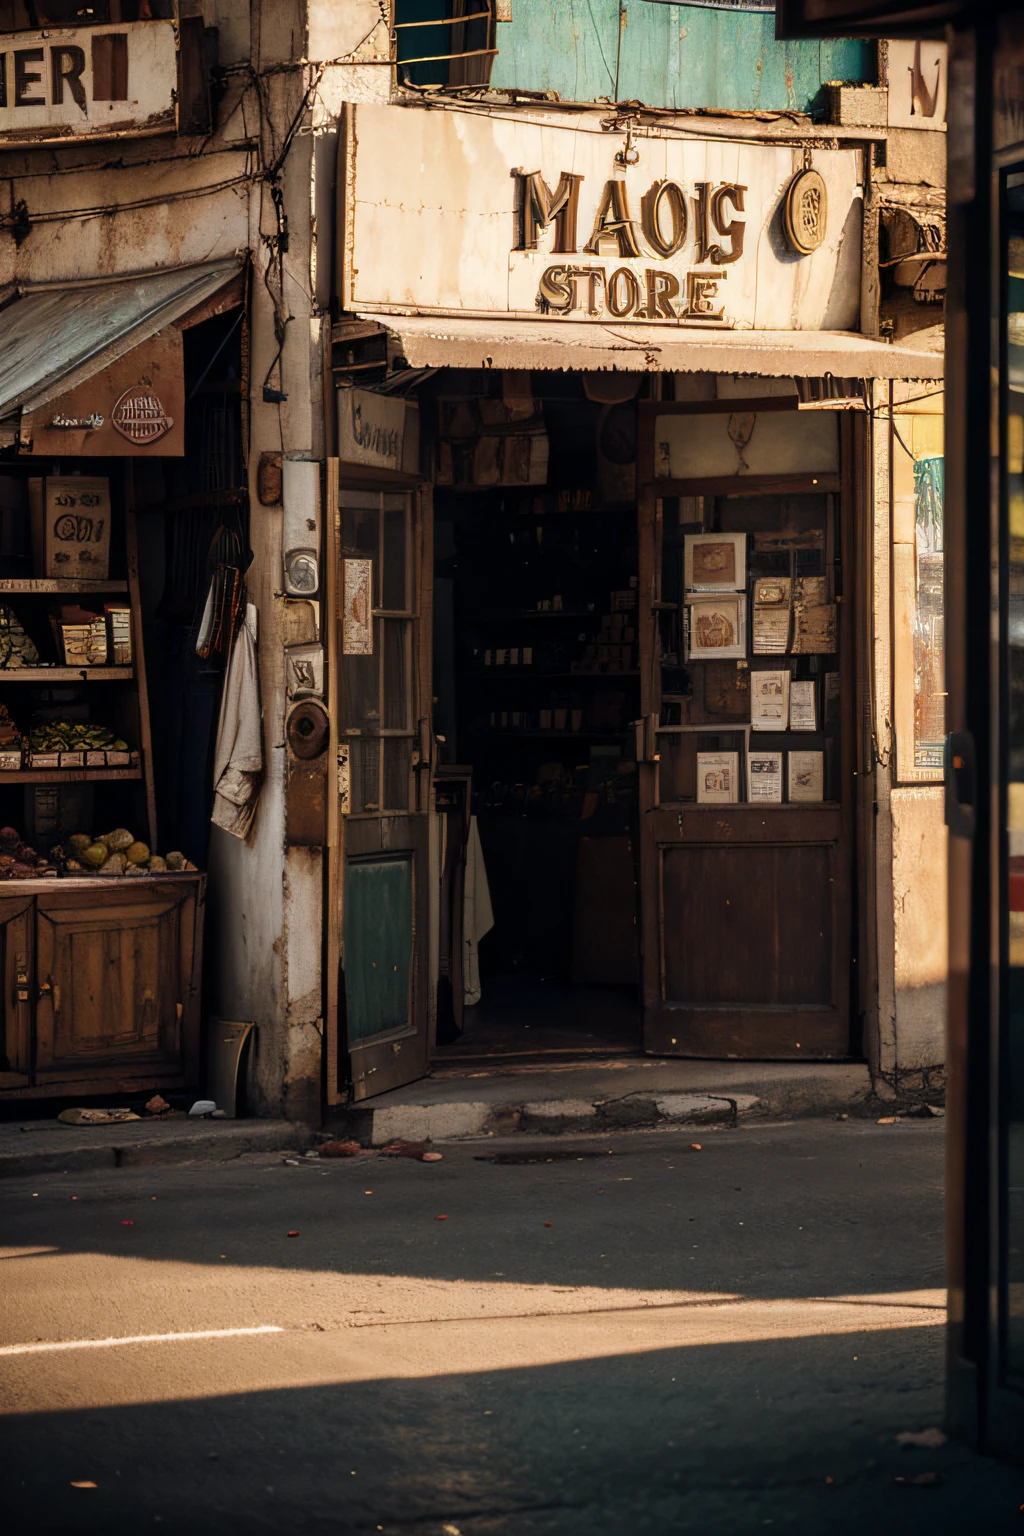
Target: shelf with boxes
76 725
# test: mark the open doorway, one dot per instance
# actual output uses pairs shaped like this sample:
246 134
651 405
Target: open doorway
537 685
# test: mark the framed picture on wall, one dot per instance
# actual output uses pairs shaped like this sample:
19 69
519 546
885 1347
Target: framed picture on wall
715 562
716 627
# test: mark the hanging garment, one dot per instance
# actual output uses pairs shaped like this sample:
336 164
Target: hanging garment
477 915
238 759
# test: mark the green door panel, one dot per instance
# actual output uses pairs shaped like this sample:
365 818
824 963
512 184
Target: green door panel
377 934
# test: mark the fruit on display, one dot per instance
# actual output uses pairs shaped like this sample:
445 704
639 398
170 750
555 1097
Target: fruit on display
18 860
10 736
74 736
80 854
118 840
118 852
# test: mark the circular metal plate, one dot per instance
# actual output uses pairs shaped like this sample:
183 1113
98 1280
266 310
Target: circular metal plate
806 212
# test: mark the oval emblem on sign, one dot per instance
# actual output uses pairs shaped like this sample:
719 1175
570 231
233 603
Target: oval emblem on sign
140 417
806 211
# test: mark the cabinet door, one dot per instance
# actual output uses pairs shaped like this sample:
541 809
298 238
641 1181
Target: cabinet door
16 1011
114 975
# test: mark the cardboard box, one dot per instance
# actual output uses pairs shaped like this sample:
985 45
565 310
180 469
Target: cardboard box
119 633
76 527
72 759
10 759
84 645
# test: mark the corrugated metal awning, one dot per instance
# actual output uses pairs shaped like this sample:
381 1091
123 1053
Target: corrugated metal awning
53 338
432 341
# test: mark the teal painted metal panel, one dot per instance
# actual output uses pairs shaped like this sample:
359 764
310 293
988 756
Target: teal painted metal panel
377 933
671 56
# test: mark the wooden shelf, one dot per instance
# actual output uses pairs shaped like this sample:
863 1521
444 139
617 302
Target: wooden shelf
66 674
533 674
67 775
43 585
507 733
517 615
560 613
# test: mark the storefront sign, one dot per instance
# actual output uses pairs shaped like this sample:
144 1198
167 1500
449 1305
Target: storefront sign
562 218
136 406
139 415
75 82
371 429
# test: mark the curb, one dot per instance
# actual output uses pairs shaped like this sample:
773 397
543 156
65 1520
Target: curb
147 1151
456 1121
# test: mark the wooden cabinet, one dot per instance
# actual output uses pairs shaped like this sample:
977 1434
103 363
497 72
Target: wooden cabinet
102 985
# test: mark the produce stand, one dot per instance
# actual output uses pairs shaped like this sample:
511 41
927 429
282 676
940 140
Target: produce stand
101 971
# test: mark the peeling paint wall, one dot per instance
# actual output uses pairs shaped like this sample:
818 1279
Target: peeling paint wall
920 936
670 56
268 897
101 208
907 1033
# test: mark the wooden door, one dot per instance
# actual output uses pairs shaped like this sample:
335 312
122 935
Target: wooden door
116 984
16 968
378 950
747 905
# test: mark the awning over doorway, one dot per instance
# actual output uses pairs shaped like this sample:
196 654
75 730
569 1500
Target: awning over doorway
431 341
56 337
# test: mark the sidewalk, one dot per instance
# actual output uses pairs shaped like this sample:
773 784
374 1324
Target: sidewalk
47 1146
617 1093
469 1102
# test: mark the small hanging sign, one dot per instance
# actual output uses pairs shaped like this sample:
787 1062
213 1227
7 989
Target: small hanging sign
357 604
139 414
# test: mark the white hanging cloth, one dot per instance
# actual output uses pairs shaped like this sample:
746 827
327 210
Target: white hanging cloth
477 915
238 759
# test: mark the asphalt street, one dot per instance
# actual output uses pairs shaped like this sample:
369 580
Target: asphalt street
635 1336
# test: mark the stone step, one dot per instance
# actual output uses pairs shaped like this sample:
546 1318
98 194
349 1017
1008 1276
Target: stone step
600 1096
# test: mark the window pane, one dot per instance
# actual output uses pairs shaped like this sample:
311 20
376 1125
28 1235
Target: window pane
364 774
397 772
929 626
359 705
918 586
397 674
359 525
394 577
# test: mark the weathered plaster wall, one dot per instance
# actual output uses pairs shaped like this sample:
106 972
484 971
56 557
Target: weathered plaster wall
138 205
267 896
906 1036
920 948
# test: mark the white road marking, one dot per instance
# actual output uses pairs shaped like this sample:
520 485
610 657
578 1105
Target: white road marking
138 1338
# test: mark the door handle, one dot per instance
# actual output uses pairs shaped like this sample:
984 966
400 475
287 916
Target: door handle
45 989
